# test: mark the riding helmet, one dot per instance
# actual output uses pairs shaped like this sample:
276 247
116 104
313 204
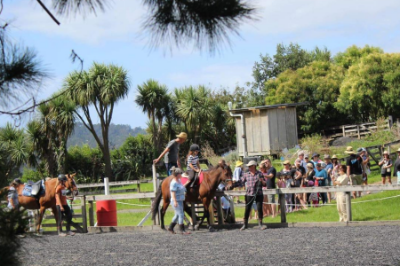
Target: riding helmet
194 147
62 177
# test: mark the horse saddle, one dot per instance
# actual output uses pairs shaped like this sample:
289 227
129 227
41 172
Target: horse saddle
32 189
198 178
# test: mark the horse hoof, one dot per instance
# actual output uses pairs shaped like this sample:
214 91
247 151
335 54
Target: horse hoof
211 229
196 227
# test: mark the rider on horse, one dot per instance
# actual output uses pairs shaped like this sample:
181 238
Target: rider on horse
193 165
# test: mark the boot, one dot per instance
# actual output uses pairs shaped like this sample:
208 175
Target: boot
245 224
171 228
262 227
182 228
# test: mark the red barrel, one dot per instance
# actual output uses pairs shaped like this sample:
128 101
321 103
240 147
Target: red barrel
106 211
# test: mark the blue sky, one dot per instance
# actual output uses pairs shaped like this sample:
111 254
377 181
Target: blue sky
116 37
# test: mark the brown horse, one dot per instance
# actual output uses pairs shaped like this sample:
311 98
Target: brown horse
202 194
48 199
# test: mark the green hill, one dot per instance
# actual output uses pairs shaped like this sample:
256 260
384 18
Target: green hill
118 134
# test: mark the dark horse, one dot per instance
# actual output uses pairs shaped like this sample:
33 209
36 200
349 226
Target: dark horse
200 194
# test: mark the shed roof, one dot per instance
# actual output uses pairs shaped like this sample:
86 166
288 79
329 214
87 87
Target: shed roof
275 106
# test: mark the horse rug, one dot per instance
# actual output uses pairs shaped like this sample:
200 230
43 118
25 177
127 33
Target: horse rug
197 182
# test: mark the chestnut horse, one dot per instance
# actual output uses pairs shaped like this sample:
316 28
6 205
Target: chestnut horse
48 199
200 194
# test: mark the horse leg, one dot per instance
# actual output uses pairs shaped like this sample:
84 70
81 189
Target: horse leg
206 203
163 211
40 219
55 213
188 210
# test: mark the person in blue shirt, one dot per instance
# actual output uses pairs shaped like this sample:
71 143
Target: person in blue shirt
177 197
328 168
321 176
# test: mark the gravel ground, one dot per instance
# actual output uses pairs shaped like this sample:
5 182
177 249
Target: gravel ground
285 246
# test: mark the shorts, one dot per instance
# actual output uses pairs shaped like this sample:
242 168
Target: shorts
356 180
387 174
271 198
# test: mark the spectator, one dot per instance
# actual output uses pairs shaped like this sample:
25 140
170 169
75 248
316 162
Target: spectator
315 159
254 180
226 205
306 159
386 164
177 198
270 177
321 176
303 163
396 169
354 168
328 168
298 198
171 153
237 175
309 177
281 184
365 163
265 207
341 180
335 165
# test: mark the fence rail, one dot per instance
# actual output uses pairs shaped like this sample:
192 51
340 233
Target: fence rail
117 183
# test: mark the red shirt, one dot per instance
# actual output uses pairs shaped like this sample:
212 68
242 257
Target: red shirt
61 199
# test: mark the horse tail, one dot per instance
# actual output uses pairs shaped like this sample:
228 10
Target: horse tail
156 202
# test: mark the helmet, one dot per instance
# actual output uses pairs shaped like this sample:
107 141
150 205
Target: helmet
194 147
62 177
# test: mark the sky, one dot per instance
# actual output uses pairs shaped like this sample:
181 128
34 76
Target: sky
116 36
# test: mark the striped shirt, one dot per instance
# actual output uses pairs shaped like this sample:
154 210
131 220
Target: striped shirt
193 160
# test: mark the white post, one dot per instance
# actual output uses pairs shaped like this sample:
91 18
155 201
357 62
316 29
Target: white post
154 178
106 186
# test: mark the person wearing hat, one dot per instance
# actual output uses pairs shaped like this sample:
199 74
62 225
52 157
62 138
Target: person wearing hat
316 159
328 168
321 176
354 168
335 165
171 153
302 160
254 180
365 164
270 177
396 169
236 177
341 180
62 206
193 165
386 163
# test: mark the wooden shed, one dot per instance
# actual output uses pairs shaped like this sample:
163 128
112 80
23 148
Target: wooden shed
267 129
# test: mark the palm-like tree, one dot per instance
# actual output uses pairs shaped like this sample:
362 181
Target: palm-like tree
102 86
153 98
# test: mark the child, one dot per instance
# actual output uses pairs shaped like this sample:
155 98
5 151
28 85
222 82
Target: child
281 184
288 197
313 196
62 207
193 165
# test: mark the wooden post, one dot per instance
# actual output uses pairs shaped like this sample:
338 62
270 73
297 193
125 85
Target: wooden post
390 122
84 216
282 203
344 132
232 209
348 206
219 211
211 212
138 187
154 170
398 126
193 209
91 216
358 132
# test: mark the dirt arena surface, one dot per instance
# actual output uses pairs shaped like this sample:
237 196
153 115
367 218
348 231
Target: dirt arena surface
285 246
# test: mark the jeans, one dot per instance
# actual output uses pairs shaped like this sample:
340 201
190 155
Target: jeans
179 215
68 215
249 203
169 166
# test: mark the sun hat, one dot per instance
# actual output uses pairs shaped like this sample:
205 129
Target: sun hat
301 153
386 152
315 154
251 163
306 156
334 156
238 163
182 135
310 165
262 165
286 162
327 156
398 150
349 150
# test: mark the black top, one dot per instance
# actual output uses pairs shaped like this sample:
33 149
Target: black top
396 166
271 181
355 163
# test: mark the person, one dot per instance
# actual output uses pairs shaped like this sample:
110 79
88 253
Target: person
13 205
254 180
306 159
62 206
316 159
321 176
265 207
328 168
335 167
309 177
226 205
193 165
396 168
171 153
177 191
236 177
303 162
386 164
281 184
270 177
341 180
354 168
298 182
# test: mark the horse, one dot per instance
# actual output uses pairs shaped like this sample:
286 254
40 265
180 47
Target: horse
203 193
47 200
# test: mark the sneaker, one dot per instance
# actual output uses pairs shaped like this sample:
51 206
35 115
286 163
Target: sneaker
70 233
62 234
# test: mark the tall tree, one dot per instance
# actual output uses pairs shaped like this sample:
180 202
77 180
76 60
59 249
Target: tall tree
354 54
101 87
153 98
